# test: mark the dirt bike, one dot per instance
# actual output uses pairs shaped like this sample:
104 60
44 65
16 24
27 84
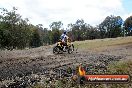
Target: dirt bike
59 48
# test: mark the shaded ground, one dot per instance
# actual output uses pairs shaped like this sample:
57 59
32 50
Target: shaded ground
19 66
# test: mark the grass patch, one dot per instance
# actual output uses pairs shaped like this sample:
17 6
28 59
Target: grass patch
90 44
121 67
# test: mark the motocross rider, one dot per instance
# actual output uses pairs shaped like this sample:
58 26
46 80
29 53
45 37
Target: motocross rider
64 38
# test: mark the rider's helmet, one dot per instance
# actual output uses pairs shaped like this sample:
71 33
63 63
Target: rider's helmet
65 32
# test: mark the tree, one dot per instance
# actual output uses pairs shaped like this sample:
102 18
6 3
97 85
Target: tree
8 22
128 26
111 27
77 29
56 26
15 32
82 31
36 39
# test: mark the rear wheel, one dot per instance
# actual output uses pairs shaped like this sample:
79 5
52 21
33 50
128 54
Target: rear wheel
71 49
56 50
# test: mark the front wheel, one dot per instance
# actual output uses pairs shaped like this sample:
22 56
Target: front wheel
71 49
56 50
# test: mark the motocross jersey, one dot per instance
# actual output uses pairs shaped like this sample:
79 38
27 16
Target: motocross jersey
63 37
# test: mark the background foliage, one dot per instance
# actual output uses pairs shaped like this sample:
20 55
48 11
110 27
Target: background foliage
18 33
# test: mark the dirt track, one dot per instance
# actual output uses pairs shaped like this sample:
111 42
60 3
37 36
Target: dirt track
19 63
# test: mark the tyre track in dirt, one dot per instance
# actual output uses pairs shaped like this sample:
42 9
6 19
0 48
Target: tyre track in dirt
44 60
41 61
